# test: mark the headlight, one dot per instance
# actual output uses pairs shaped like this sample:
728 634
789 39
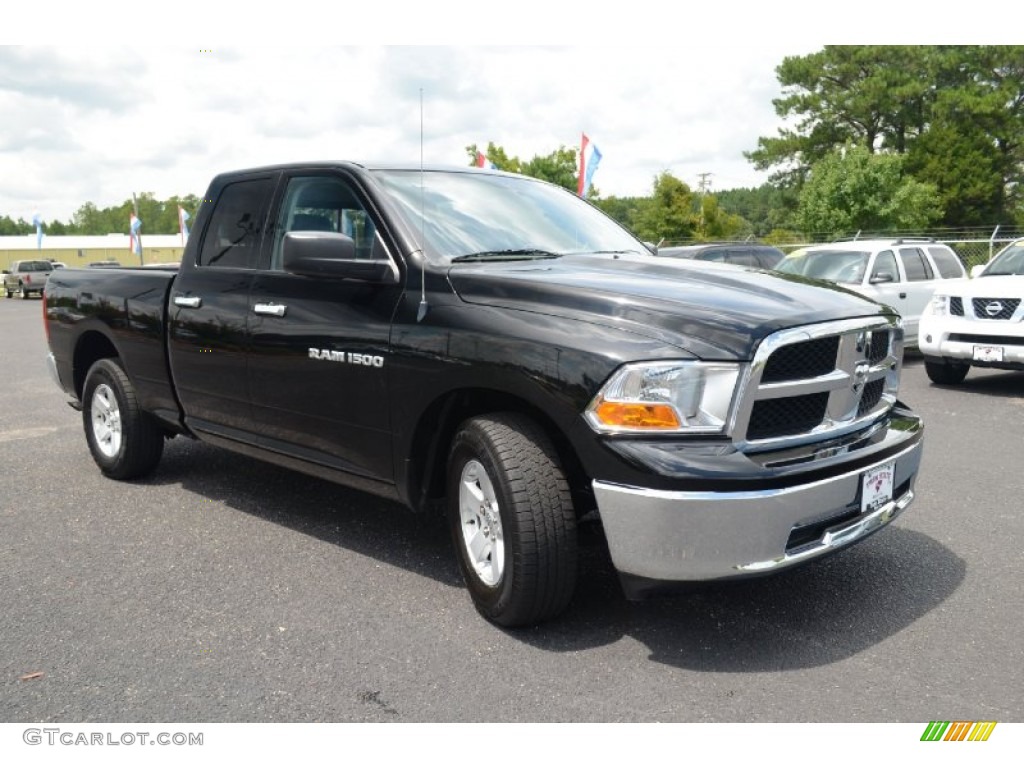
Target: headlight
939 305
677 396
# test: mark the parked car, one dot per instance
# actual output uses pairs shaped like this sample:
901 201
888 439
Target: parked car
902 273
743 254
26 278
977 322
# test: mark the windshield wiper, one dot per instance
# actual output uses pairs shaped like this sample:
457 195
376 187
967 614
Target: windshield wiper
598 253
510 254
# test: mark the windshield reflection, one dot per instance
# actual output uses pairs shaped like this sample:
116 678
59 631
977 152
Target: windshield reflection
469 213
1009 262
835 265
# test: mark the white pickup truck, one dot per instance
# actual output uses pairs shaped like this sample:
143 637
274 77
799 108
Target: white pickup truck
977 322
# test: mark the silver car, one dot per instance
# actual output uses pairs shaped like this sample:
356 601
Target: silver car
26 278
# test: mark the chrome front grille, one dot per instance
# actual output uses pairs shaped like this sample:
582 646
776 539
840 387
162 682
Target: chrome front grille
818 382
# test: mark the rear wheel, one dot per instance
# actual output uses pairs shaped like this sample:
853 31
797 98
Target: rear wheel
22 291
512 520
124 440
942 372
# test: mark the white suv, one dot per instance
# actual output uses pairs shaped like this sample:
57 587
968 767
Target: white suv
902 273
977 322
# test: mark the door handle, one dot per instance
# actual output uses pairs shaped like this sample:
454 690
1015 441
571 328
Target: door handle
903 295
277 310
193 302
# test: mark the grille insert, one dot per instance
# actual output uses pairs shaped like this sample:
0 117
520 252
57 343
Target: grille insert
1006 308
870 397
803 360
879 346
956 306
785 416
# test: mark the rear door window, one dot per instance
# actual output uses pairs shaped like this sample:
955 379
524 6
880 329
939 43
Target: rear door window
946 262
741 256
915 266
236 225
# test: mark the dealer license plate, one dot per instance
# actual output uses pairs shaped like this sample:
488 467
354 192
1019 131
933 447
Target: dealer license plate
988 354
876 489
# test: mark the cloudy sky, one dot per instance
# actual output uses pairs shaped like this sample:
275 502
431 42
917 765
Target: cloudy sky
654 93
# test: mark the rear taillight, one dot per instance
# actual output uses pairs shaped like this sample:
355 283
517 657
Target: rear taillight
28 279
46 318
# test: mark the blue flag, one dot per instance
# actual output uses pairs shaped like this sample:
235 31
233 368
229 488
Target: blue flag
134 225
38 221
183 218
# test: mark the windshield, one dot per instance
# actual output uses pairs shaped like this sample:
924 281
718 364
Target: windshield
477 216
1009 262
836 265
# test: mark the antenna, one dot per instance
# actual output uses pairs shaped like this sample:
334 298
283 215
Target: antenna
422 311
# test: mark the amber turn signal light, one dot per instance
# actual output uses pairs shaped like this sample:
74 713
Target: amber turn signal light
637 415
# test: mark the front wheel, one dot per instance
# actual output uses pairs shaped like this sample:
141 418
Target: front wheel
124 440
946 373
512 520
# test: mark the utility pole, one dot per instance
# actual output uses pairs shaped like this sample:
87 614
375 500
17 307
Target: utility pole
702 188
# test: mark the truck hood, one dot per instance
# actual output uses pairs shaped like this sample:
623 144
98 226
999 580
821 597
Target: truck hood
715 312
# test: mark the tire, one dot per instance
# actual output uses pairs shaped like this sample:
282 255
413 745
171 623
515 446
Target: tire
511 518
125 441
22 291
946 373
8 292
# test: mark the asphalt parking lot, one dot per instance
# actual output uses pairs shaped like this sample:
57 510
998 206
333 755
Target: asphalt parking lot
224 589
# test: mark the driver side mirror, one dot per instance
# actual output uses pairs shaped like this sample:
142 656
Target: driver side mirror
331 255
882 277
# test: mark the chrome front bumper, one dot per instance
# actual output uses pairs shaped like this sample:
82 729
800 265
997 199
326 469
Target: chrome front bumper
700 536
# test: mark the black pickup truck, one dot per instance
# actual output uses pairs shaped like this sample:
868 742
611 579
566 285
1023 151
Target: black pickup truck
493 344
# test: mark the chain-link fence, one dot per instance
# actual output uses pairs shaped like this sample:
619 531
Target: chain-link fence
971 252
974 245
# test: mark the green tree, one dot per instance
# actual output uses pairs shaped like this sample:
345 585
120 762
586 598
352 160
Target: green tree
715 223
974 148
496 155
854 189
559 167
874 96
957 112
670 212
9 226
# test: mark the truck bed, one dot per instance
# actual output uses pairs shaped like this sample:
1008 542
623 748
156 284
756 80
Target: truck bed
125 307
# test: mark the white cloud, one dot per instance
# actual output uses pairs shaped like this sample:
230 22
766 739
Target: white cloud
690 93
97 125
